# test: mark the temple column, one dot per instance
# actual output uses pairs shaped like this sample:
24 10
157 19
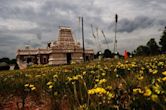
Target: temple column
38 60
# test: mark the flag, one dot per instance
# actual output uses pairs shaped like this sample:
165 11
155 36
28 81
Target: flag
125 55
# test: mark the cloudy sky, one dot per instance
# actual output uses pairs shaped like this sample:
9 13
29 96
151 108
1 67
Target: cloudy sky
36 22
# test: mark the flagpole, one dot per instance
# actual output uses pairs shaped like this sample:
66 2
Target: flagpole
115 42
83 39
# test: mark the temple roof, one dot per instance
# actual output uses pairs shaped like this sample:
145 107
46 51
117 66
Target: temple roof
65 36
65 42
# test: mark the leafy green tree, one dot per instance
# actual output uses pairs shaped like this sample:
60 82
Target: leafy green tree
5 59
107 53
142 50
153 47
162 41
13 61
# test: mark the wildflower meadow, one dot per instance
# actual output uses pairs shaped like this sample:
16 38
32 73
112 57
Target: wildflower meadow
116 84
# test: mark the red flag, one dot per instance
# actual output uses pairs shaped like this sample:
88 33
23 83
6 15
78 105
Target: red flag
125 55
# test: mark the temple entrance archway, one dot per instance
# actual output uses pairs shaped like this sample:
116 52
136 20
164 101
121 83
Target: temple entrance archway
68 55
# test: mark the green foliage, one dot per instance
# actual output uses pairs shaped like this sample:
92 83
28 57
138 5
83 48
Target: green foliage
153 47
142 50
7 60
162 41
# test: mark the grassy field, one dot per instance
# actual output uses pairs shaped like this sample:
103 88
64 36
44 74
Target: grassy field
137 83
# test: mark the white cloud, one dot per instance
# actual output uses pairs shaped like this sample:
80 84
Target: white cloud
15 24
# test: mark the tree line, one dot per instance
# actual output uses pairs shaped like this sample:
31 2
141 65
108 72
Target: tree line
151 48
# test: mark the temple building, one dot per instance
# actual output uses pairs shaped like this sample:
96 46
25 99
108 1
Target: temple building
62 51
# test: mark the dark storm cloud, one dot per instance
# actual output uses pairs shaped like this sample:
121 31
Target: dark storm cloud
140 22
9 40
37 21
126 25
162 22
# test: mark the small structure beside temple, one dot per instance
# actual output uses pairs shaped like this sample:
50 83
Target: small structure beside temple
62 51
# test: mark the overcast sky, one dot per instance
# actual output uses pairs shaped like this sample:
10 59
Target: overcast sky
36 22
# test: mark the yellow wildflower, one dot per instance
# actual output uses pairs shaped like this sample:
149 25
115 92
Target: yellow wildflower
109 87
97 80
26 85
97 90
141 72
110 95
31 85
142 68
84 72
69 78
55 76
140 78
164 79
75 78
164 73
102 81
91 92
159 79
154 98
49 83
100 90
150 70
33 88
50 86
157 88
148 92
155 71
137 90
103 74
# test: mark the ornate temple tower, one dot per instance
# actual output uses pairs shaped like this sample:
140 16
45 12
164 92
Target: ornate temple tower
66 49
62 51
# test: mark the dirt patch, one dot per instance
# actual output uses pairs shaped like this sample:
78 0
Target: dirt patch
15 103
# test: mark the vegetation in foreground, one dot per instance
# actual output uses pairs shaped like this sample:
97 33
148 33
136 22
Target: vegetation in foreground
137 83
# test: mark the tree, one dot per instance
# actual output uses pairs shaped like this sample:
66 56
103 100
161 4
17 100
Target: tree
162 41
7 60
107 53
13 61
97 54
153 47
142 50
